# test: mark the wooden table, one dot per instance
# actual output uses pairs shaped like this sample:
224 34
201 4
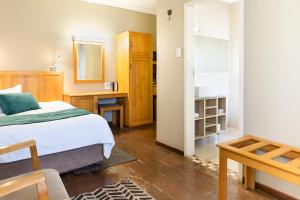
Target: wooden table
89 100
258 154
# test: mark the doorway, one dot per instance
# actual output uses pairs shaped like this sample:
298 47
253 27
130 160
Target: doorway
213 81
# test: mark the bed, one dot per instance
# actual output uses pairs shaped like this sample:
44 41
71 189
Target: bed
64 144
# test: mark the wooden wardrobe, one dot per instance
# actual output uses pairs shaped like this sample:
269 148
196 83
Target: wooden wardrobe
135 76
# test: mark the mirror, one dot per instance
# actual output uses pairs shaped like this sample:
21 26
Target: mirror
88 62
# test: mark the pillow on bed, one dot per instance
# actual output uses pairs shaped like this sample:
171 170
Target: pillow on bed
15 89
17 102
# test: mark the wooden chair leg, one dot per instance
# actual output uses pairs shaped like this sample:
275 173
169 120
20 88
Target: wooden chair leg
222 176
114 117
121 118
249 175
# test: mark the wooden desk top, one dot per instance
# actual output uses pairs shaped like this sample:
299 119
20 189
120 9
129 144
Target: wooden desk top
104 94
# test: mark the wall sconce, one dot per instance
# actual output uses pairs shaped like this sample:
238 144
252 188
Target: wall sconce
57 58
170 12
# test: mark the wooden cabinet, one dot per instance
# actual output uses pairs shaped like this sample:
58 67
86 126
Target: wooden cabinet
82 102
134 75
140 45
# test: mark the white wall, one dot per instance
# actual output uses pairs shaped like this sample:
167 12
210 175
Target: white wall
234 66
218 24
211 65
33 31
170 74
272 80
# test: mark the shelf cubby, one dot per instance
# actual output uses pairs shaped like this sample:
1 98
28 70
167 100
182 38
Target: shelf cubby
211 102
222 122
209 108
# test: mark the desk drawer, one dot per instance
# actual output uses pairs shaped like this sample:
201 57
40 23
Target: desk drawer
83 102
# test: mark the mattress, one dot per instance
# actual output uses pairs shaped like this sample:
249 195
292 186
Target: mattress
57 136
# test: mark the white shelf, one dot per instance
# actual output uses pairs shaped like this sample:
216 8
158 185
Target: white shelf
210 133
210 107
197 137
210 116
207 125
199 118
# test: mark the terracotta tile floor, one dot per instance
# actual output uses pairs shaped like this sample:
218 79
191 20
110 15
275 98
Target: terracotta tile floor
163 174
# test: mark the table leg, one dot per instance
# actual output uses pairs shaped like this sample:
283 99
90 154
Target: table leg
222 175
250 175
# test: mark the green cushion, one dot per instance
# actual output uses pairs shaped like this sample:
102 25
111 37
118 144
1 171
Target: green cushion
17 102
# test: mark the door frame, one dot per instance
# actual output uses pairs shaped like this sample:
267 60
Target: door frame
189 98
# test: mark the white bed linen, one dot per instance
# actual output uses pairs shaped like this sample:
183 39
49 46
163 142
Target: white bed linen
57 136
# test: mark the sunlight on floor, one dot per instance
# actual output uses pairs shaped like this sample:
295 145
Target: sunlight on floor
206 148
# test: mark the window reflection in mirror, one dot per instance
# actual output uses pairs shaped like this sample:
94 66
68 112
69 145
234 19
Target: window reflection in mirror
88 62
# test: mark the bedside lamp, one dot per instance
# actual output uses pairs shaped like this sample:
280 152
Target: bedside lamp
53 68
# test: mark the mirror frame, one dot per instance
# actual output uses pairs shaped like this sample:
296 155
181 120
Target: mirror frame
75 62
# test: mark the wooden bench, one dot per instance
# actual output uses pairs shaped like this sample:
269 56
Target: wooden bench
255 153
114 108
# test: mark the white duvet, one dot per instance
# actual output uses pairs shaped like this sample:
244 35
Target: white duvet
57 136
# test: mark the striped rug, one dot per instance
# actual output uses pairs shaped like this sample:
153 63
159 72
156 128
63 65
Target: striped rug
124 190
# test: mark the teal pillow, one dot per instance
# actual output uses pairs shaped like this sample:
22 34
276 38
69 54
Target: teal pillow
17 102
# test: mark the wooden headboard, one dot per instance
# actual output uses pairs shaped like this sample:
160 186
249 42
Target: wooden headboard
44 86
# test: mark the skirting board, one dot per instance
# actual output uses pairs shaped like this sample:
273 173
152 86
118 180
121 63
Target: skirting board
273 192
169 148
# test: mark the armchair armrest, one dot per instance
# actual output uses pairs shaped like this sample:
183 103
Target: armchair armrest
28 144
21 182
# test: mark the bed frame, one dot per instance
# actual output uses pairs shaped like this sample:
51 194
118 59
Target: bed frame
46 86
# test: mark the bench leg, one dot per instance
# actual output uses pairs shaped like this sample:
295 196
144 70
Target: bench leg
114 117
222 176
250 175
121 118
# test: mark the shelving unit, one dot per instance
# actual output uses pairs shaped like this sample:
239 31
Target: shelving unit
211 111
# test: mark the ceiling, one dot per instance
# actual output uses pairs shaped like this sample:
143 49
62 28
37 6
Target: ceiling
146 6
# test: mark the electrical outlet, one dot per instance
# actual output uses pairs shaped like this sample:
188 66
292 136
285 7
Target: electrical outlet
107 86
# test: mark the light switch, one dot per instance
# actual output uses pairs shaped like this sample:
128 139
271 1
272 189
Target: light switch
178 52
107 86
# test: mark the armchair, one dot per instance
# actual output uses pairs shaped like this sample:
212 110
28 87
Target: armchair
39 185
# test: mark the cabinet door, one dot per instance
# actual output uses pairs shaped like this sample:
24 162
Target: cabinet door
141 45
84 102
140 96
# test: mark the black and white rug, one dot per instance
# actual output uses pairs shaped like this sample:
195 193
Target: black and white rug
124 190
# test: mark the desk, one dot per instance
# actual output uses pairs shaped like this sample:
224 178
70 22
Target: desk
88 100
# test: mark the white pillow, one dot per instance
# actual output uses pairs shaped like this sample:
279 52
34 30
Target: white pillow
15 89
